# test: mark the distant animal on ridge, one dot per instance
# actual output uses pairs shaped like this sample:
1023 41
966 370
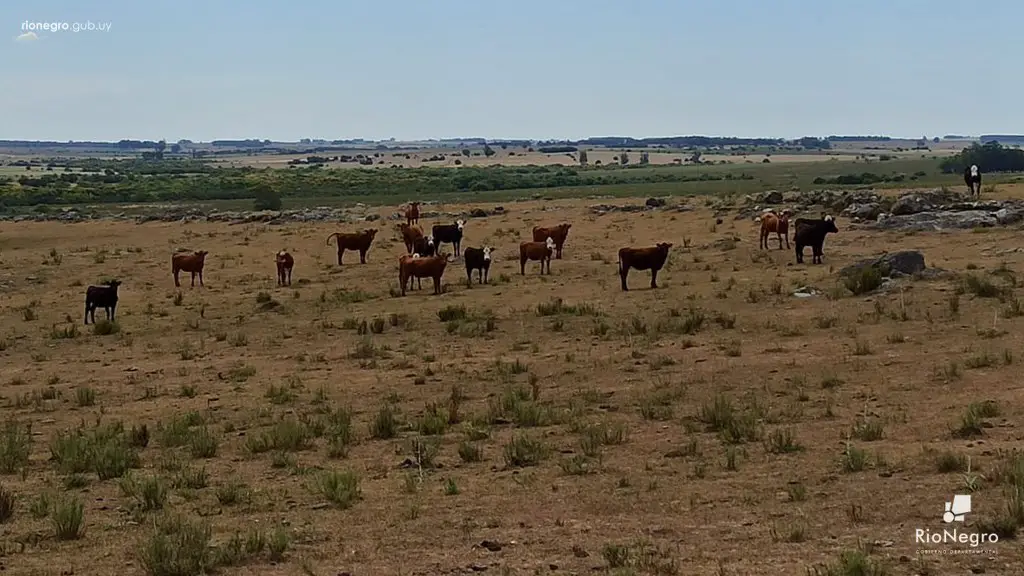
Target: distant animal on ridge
777 223
477 259
652 258
285 262
101 296
557 233
355 241
972 177
810 232
448 233
192 263
542 251
410 234
424 267
412 213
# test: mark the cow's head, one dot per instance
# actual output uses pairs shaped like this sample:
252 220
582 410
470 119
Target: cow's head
565 227
370 233
830 224
430 240
487 254
974 169
550 243
460 224
113 283
664 246
201 253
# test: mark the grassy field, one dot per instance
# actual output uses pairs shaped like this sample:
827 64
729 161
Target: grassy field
330 187
540 424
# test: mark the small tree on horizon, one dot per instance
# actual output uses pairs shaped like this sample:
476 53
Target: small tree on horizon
583 157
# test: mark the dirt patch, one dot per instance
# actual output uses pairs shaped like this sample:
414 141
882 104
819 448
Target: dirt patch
539 424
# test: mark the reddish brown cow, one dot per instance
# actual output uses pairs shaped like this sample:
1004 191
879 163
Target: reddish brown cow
285 262
354 241
556 233
412 213
652 258
191 263
410 267
778 223
541 251
410 234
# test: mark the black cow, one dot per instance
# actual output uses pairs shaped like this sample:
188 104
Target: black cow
477 259
972 177
101 296
812 233
424 246
450 233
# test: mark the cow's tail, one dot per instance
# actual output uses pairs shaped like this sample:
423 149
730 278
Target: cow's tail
333 234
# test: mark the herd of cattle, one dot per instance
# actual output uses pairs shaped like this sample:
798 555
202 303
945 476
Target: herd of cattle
425 260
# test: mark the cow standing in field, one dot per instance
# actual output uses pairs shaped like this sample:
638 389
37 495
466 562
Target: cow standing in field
810 232
477 259
429 267
777 223
412 214
424 246
285 263
191 263
556 233
356 241
410 234
652 258
542 251
450 233
972 177
101 296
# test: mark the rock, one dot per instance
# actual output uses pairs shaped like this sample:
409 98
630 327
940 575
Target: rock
654 202
866 211
911 204
478 213
939 220
491 545
903 263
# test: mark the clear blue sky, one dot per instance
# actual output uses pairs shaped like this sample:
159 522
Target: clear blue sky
208 69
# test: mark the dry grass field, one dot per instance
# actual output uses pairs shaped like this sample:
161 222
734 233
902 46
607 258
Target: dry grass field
537 425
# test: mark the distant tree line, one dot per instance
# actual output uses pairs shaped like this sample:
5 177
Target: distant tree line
990 157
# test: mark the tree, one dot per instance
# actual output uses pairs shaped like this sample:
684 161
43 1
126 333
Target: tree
583 157
695 157
488 151
266 198
644 158
466 152
624 158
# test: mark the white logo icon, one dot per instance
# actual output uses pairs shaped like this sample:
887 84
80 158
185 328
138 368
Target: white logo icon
957 509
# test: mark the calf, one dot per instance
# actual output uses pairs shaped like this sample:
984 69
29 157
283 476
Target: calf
652 258
536 251
424 246
422 267
972 177
812 233
410 234
285 262
450 233
477 259
412 213
354 241
191 263
556 233
777 223
404 258
101 296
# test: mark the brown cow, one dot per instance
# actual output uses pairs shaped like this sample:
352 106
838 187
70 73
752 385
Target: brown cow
652 258
285 262
410 234
556 233
422 267
406 257
772 222
354 241
536 251
412 213
192 263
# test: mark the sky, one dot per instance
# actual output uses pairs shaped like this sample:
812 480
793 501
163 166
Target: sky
523 69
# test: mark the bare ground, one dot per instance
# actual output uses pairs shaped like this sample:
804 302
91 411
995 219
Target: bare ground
709 418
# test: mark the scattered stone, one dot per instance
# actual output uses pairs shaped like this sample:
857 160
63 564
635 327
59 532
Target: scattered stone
490 545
